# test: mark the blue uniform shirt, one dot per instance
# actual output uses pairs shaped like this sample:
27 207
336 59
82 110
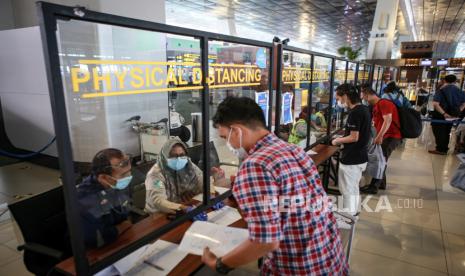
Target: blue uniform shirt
450 98
101 210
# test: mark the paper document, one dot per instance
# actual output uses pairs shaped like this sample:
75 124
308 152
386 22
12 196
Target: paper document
311 152
219 190
224 216
220 239
163 256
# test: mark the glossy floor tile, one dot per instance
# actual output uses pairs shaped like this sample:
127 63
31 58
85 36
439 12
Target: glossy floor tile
400 241
378 265
404 210
455 251
452 202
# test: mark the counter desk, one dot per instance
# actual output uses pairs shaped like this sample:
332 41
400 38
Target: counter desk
190 263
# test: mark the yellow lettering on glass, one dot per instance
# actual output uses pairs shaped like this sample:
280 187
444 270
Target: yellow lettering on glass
78 76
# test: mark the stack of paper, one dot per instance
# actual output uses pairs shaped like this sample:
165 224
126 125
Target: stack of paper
220 239
156 259
224 216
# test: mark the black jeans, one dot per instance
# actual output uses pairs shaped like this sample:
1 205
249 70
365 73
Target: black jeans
388 146
441 135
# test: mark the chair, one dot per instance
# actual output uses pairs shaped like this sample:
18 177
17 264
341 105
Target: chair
42 221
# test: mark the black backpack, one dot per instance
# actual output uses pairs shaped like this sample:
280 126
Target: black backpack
411 125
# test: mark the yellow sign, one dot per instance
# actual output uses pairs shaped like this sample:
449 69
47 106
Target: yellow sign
294 75
101 78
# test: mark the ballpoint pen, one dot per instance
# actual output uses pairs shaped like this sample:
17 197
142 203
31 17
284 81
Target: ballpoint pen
154 265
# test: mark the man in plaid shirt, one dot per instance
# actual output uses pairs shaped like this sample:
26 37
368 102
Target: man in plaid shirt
281 198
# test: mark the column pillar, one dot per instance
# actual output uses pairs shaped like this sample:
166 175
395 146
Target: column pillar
383 30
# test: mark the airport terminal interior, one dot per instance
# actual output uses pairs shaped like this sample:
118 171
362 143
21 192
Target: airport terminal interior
240 137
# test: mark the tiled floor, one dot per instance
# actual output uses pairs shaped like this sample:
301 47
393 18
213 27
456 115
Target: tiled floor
407 241
419 241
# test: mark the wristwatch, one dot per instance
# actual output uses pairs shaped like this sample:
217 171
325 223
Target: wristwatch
222 268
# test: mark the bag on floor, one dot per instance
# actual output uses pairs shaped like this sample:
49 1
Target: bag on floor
376 162
458 180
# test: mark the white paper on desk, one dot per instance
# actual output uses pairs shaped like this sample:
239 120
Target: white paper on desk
220 239
224 216
311 152
161 253
125 264
219 190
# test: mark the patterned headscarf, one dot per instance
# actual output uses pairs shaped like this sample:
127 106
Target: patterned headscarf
179 182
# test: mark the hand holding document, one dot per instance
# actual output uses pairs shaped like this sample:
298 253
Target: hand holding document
220 239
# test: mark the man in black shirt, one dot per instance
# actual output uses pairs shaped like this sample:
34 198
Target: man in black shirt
354 155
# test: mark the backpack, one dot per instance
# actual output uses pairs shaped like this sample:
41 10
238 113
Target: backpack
411 125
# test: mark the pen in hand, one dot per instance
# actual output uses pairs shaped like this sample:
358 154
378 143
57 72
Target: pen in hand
154 265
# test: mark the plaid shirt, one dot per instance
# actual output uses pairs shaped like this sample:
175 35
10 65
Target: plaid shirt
275 174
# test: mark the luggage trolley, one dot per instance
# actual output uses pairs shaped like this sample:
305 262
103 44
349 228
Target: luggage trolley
347 235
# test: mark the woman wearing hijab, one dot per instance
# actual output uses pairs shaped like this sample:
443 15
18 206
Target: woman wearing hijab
174 179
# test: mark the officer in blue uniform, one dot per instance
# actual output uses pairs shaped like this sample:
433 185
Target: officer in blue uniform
104 198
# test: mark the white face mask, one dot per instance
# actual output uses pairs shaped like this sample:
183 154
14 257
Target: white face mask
341 105
240 153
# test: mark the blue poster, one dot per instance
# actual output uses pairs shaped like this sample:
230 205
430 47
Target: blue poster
260 58
261 98
287 108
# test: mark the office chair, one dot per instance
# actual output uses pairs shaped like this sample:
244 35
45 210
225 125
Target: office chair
42 221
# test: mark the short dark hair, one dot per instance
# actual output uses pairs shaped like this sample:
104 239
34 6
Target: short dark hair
450 78
367 89
240 110
350 91
365 85
101 163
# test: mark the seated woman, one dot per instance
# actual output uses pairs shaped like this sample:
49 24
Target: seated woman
174 179
299 129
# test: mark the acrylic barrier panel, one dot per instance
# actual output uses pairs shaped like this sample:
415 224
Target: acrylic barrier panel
128 95
296 82
376 82
352 69
321 94
367 72
361 74
337 114
235 70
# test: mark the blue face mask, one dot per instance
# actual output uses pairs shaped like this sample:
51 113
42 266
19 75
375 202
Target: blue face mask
123 183
178 163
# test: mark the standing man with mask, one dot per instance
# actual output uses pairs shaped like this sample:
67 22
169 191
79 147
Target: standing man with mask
448 103
104 198
387 124
354 155
295 238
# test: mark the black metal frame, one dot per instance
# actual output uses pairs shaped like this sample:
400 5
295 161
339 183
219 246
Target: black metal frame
49 15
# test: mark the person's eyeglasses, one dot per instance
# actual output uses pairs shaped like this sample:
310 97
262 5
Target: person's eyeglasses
124 163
